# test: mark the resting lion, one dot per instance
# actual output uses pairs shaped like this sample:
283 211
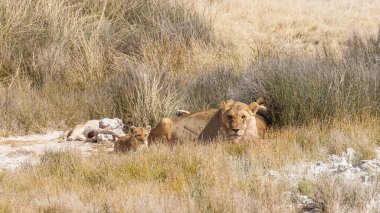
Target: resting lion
137 137
83 132
233 121
78 132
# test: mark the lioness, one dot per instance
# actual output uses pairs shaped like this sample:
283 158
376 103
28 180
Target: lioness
137 137
78 132
83 132
234 120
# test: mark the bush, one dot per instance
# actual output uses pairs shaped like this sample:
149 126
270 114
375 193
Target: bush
210 88
302 89
145 96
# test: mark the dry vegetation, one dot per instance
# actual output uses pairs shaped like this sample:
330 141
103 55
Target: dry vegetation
218 177
317 63
256 27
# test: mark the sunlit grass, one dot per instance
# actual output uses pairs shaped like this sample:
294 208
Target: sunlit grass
189 177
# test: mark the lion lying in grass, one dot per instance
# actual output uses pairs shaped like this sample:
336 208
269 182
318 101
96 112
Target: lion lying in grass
233 121
137 138
84 132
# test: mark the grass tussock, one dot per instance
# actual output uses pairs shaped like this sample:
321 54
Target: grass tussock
143 96
302 89
337 195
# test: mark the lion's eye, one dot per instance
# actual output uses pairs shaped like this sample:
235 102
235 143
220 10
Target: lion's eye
229 117
138 135
243 117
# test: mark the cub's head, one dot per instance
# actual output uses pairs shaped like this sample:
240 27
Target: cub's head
140 133
236 117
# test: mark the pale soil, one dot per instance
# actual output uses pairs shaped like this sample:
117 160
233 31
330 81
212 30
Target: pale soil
343 169
18 150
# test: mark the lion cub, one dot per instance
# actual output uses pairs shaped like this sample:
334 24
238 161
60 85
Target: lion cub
137 137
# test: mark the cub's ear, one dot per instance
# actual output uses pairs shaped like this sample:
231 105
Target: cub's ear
132 129
148 128
254 107
226 104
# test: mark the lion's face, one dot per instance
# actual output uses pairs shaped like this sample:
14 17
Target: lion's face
140 134
236 116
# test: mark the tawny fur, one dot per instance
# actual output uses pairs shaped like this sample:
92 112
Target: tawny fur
137 137
262 123
231 121
78 132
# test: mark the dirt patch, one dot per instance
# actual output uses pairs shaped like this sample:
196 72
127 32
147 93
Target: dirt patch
15 143
20 150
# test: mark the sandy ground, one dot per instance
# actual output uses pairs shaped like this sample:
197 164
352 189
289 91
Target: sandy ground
18 150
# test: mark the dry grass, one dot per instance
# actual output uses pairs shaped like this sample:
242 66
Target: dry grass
64 61
258 27
189 177
57 56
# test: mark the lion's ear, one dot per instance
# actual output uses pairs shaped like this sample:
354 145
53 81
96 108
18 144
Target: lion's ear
226 104
148 128
260 101
254 107
132 129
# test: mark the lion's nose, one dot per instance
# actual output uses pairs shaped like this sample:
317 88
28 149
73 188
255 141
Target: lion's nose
236 130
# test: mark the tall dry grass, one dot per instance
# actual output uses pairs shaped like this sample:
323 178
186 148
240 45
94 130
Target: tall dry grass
302 89
55 55
64 61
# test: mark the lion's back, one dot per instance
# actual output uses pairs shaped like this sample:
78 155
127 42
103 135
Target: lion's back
187 127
